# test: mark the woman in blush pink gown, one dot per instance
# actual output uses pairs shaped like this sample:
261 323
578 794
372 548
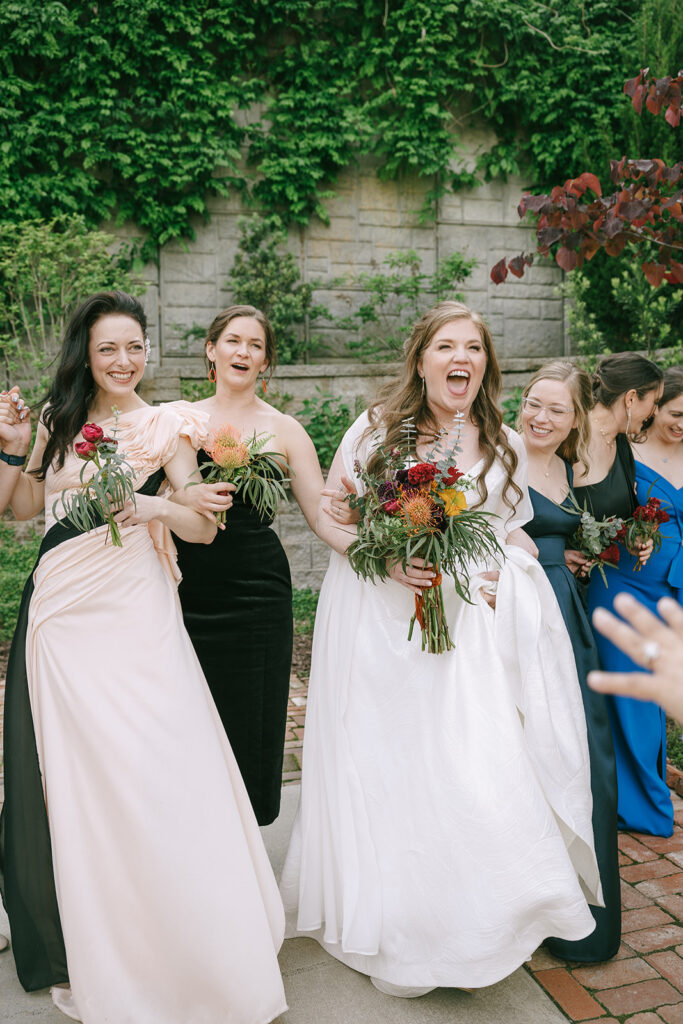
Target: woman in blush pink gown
133 868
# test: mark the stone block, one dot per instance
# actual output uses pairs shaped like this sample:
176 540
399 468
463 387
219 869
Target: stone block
340 229
181 296
187 267
533 337
482 211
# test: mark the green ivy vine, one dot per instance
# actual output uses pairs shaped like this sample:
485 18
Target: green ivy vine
141 110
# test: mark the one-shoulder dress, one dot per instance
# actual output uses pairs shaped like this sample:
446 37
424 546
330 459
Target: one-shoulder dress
132 864
236 596
638 727
551 528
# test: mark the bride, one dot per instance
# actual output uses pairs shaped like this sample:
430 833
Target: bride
445 821
132 864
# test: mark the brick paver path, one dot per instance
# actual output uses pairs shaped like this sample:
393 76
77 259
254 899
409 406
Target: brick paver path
294 736
643 984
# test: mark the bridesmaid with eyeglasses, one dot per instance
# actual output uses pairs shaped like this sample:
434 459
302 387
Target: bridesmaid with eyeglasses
555 426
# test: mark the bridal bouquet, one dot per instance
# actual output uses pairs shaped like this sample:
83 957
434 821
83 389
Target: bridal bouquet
258 476
420 511
597 539
105 490
643 526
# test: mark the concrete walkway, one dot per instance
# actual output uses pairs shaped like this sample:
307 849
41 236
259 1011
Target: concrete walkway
322 991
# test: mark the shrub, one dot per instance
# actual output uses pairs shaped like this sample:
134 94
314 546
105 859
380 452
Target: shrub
17 559
304 605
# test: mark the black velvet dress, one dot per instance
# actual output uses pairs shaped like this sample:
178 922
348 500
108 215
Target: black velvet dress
236 596
551 528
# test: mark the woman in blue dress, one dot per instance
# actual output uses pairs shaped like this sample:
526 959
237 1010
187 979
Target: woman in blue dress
626 389
640 728
556 431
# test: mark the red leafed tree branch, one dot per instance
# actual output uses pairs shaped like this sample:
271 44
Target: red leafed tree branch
575 221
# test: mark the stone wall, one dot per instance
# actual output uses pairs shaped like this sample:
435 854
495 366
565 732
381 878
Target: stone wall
369 219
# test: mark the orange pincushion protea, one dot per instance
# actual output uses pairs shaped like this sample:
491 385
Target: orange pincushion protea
228 450
419 510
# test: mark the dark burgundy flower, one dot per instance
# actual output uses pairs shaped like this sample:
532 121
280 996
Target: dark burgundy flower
610 554
392 507
387 491
401 476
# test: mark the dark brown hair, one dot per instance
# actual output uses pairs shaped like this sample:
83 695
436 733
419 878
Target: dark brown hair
221 321
622 372
73 387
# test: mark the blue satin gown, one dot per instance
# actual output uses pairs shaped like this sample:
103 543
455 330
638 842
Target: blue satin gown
639 727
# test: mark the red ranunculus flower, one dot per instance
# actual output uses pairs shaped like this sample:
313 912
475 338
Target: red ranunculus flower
85 449
91 432
392 507
422 473
452 476
610 554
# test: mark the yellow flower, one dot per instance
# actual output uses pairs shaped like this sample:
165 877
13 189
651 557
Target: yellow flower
454 501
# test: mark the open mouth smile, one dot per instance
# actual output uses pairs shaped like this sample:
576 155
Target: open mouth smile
458 381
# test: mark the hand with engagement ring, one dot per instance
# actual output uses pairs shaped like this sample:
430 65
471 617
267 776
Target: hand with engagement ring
655 644
338 507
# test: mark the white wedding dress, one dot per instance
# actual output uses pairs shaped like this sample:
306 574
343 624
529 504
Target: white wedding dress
445 821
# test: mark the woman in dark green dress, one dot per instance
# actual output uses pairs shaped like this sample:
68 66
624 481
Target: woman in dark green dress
556 431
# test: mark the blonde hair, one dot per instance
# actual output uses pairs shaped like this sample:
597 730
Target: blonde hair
575 446
405 397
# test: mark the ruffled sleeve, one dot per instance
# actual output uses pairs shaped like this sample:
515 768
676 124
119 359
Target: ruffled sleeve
194 422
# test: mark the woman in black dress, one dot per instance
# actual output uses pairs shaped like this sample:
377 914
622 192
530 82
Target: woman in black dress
236 593
555 426
626 388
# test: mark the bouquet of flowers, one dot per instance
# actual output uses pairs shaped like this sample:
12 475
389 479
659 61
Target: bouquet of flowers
644 526
597 539
258 476
420 511
106 490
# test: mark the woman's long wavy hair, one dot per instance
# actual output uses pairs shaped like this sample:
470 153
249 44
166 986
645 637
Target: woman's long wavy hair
73 388
575 446
404 397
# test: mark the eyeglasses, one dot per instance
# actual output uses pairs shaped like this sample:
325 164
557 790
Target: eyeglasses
553 412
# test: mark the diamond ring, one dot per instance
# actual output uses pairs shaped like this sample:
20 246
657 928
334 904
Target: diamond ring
651 651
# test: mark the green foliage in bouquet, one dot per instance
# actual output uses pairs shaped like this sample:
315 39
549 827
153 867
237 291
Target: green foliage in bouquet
420 511
259 476
106 490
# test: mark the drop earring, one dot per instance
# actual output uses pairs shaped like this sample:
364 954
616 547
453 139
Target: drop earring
628 422
212 374
264 385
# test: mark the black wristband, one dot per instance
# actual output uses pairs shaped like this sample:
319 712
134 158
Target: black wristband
12 460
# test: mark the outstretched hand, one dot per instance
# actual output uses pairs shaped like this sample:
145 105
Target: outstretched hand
655 644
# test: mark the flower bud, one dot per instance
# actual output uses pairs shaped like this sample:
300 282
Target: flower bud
85 450
91 432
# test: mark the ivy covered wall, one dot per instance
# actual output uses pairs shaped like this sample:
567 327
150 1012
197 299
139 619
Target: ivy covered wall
143 109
